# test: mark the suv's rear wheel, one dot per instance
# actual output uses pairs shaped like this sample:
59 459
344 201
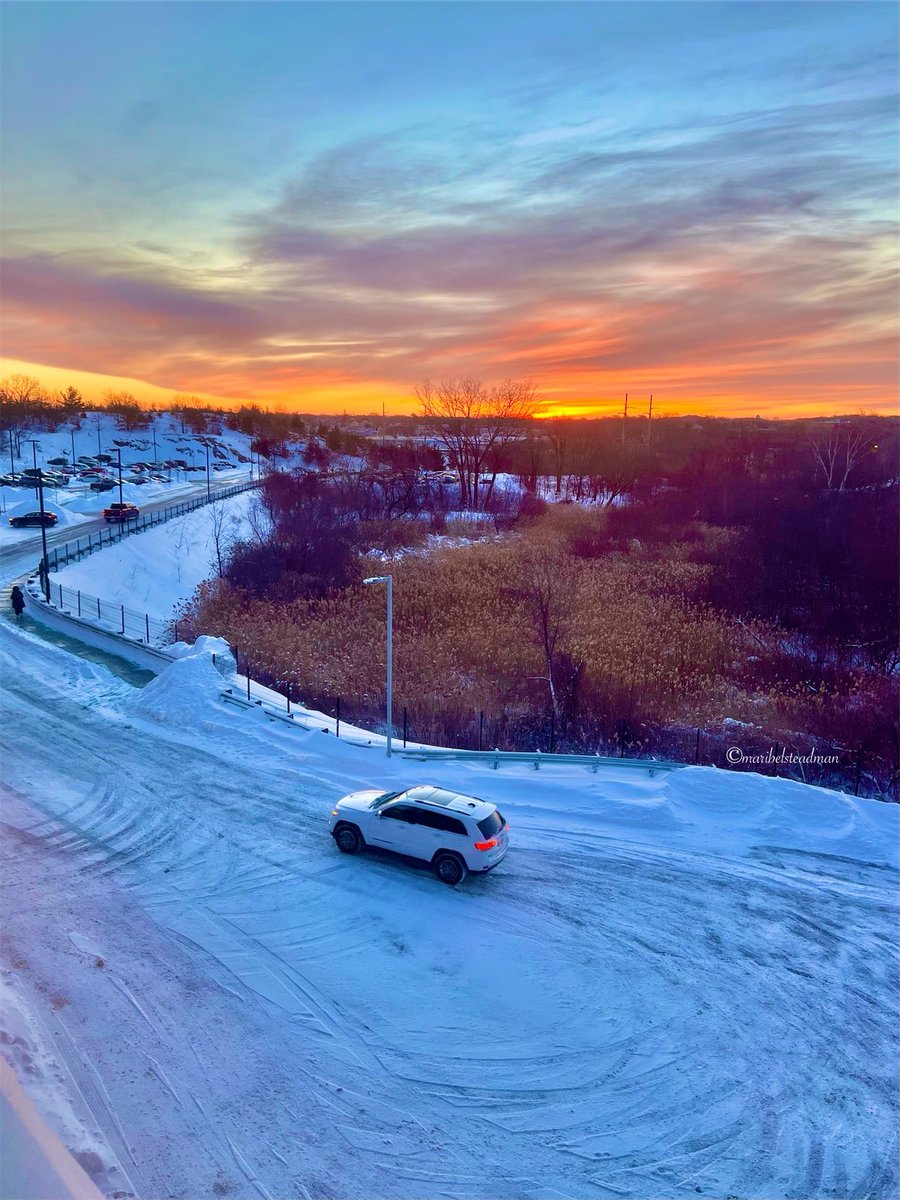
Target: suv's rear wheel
349 839
450 868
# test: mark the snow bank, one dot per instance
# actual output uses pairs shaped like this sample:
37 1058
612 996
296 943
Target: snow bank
216 647
758 811
31 505
183 694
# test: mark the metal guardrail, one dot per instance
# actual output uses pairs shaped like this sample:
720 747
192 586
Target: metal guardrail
86 544
431 753
536 758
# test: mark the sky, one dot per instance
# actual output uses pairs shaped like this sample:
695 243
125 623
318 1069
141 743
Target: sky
319 206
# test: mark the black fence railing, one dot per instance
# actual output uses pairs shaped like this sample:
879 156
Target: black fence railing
110 617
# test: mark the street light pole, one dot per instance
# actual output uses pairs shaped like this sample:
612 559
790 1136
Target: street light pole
72 436
206 448
389 580
119 456
45 560
34 456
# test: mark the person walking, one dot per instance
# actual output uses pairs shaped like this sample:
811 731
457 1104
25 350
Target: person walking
18 601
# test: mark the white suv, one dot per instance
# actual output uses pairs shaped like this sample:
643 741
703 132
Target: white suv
455 833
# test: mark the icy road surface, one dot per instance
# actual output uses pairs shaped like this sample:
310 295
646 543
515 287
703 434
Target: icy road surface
673 986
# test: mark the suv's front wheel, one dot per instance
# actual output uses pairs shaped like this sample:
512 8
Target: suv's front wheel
450 869
349 839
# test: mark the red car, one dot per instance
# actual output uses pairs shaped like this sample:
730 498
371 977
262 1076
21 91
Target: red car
121 512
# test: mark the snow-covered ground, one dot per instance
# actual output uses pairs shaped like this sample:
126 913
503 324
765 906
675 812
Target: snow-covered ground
671 986
163 565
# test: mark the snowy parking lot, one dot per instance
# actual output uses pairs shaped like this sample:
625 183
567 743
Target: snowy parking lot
672 986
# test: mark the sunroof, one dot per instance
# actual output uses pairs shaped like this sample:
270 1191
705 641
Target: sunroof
435 795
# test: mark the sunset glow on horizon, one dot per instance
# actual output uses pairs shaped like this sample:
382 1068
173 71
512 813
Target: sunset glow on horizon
315 207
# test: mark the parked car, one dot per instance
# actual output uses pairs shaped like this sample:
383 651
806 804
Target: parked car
103 485
30 478
121 511
34 518
453 832
57 462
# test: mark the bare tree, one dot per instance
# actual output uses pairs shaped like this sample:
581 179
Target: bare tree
474 423
548 580
259 520
19 389
837 454
128 413
224 527
23 401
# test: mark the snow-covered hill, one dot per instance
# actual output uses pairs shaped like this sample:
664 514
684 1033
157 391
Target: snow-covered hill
153 572
675 985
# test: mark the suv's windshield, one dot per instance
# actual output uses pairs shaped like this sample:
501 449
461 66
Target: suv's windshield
388 796
492 824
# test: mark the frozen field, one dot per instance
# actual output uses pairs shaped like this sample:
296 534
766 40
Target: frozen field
671 986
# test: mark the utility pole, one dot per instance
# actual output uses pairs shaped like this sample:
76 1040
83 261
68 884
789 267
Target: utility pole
650 423
72 436
119 455
208 492
389 580
97 422
45 561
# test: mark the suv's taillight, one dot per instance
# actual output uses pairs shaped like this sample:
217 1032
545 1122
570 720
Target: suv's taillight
486 845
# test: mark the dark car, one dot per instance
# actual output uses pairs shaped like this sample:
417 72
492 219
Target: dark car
121 512
34 518
103 485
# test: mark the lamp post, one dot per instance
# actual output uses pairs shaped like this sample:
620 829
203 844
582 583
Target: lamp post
45 560
208 493
72 436
119 456
34 456
388 579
